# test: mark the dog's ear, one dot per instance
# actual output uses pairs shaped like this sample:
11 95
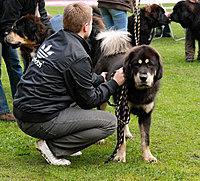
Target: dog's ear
127 63
159 73
33 33
148 14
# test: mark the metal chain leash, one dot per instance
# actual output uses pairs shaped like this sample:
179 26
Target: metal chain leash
122 113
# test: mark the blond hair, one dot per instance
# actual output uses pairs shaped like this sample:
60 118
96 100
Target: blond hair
75 16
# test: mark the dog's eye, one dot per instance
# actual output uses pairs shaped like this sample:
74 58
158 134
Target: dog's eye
151 64
136 64
15 30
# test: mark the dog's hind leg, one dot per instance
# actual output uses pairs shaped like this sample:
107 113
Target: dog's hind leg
121 153
144 124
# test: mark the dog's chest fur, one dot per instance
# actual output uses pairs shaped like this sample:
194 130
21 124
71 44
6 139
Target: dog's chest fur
142 100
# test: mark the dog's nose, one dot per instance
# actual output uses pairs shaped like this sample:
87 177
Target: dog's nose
143 77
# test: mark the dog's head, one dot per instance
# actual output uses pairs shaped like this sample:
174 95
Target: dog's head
97 27
183 13
28 30
143 66
155 15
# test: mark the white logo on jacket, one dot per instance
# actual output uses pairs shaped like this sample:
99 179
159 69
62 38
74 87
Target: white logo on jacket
43 52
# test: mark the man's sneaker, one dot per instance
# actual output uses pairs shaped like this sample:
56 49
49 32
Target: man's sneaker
76 154
43 148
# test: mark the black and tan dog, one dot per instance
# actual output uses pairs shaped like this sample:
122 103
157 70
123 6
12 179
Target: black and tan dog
187 14
143 68
151 16
28 33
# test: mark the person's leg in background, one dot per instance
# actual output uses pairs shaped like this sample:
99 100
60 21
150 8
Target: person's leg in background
13 66
120 19
107 18
189 46
3 102
14 70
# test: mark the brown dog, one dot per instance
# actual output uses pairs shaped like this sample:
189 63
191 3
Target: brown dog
151 16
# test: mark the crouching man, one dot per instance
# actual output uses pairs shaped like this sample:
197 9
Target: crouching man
55 96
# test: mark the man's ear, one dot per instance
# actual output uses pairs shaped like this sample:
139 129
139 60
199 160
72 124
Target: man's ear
85 27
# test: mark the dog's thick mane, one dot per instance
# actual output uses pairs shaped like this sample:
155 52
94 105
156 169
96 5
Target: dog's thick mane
114 42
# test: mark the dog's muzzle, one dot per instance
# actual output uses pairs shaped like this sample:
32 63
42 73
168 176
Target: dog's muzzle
143 80
7 42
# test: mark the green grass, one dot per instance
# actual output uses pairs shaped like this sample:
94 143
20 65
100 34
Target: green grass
175 133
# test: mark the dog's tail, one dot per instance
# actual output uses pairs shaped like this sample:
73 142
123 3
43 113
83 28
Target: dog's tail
114 42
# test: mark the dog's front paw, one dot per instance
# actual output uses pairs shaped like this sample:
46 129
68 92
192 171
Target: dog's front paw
100 142
119 159
150 158
129 136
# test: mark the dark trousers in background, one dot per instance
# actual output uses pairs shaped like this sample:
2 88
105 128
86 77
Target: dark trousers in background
190 46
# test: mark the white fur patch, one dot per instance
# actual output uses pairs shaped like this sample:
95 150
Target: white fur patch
114 42
146 107
147 60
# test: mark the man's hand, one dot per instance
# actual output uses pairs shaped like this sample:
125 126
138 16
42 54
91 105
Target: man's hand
119 76
104 74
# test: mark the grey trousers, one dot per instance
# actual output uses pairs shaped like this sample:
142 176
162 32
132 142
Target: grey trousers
73 130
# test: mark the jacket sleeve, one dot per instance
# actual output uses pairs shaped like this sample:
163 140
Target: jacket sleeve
12 9
79 84
97 79
44 18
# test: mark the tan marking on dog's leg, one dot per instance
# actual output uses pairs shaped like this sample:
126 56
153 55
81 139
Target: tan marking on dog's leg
103 106
121 154
127 132
146 153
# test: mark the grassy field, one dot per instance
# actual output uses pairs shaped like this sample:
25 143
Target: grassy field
175 133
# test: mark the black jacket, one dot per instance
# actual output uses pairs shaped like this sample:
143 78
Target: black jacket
60 74
11 10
